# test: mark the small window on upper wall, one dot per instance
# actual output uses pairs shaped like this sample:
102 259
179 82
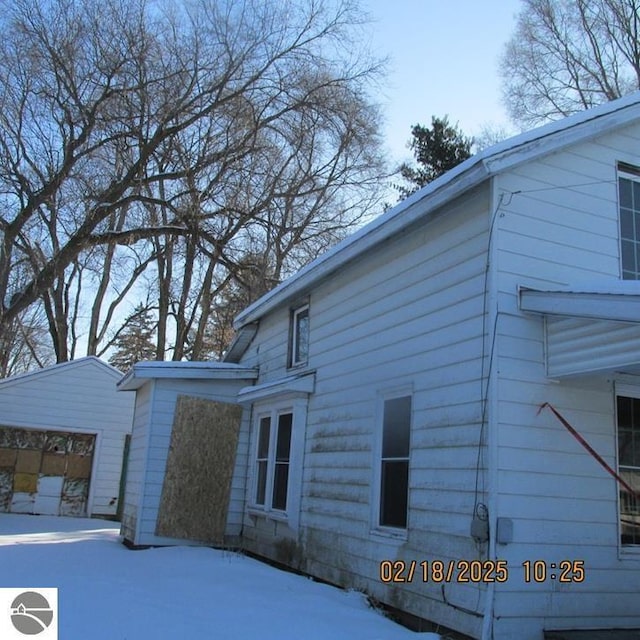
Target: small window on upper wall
299 336
629 208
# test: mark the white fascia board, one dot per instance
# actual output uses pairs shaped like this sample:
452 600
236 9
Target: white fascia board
141 372
418 206
557 135
616 307
291 386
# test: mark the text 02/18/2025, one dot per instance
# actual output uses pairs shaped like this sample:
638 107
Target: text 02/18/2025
479 571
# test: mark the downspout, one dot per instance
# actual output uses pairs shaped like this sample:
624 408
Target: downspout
492 399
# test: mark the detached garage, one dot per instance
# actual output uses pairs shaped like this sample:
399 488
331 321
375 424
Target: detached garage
63 437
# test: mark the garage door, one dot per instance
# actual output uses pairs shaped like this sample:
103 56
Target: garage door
45 472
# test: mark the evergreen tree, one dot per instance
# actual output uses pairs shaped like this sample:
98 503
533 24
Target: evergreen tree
436 150
135 342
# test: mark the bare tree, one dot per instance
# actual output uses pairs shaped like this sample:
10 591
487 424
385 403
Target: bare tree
173 137
24 343
569 55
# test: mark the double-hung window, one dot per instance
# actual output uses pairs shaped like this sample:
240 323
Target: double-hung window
628 417
629 205
299 346
273 454
394 462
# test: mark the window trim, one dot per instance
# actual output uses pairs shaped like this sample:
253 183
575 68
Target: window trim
629 172
377 528
625 391
296 312
297 407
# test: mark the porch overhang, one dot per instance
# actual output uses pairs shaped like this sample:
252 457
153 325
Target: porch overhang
289 387
142 372
592 331
613 306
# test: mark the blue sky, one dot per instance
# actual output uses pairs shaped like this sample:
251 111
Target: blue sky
444 60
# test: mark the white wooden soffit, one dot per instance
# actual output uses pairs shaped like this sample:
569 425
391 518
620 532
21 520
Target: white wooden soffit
614 306
293 386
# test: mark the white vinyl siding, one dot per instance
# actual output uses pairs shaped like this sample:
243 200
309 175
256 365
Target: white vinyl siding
409 314
579 346
557 226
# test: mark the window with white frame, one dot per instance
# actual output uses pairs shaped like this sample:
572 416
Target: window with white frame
273 454
394 462
299 336
629 210
628 418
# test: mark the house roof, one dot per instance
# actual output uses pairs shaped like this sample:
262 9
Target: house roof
469 174
142 372
62 366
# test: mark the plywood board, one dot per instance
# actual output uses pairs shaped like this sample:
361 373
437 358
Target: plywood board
28 461
8 457
25 482
200 463
53 464
78 466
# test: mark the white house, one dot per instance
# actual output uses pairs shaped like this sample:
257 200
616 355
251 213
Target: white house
446 406
62 440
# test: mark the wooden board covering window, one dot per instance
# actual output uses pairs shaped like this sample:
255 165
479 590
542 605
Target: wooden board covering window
197 483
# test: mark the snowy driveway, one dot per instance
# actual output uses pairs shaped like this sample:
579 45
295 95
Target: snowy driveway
109 592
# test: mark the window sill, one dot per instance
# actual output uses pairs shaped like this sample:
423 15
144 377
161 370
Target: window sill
280 516
298 366
630 552
388 533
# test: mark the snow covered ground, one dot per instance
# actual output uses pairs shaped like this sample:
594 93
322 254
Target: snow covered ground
109 592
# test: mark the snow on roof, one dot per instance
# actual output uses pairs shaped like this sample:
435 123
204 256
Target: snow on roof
56 368
141 372
472 172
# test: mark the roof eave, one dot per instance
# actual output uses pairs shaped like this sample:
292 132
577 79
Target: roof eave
505 155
